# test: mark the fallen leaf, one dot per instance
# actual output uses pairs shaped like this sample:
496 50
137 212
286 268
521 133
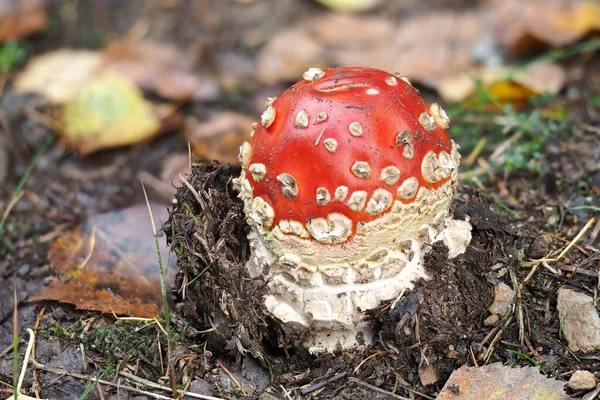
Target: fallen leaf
60 74
424 48
109 265
498 382
523 27
317 43
349 5
504 83
220 138
429 47
107 112
153 66
20 18
162 68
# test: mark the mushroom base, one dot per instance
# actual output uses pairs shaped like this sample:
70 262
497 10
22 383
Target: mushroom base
328 306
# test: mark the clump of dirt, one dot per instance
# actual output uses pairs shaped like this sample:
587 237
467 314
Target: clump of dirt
207 230
438 323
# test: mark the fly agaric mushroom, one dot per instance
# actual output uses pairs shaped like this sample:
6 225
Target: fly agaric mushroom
347 180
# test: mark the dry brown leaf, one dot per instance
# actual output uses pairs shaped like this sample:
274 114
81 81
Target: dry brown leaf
506 84
109 265
153 66
107 112
60 74
499 382
349 5
221 137
424 48
20 18
525 26
162 68
316 43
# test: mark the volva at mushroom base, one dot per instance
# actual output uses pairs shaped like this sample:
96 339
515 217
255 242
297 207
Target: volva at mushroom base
346 183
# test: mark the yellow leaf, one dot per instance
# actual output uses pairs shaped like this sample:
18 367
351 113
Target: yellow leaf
349 5
108 112
58 75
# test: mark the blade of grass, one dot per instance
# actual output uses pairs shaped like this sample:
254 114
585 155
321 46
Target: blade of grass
163 289
17 193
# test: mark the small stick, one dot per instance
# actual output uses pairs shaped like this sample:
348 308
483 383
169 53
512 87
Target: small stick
473 357
220 364
379 390
59 371
377 353
571 244
319 385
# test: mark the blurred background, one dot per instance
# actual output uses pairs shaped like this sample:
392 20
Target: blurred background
99 95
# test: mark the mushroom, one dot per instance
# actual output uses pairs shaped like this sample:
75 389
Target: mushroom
344 189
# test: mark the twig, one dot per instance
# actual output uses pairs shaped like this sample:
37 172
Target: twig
473 357
377 353
319 385
379 390
571 244
592 395
194 191
88 257
490 350
60 371
220 364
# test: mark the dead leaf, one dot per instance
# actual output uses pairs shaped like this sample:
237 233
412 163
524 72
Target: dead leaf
523 27
317 43
20 18
349 5
424 48
153 66
161 68
60 74
504 83
220 138
499 382
109 265
107 112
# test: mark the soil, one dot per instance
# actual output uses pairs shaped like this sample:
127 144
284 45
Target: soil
220 328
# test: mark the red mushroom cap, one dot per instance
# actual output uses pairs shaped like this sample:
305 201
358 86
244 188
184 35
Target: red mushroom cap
346 142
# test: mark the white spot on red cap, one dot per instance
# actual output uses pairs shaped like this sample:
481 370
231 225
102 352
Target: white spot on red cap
330 145
355 129
440 116
405 138
268 116
357 200
427 122
258 171
408 188
301 119
245 154
323 197
392 81
379 202
361 169
340 193
321 116
289 188
313 74
372 91
336 228
390 175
